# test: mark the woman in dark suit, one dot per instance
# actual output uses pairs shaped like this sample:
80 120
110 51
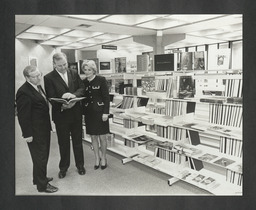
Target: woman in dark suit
96 111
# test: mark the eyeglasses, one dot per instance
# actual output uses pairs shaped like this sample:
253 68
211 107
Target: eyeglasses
36 76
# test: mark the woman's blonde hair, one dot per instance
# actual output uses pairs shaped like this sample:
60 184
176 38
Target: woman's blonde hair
91 64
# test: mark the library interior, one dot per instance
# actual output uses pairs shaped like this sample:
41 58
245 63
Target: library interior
176 101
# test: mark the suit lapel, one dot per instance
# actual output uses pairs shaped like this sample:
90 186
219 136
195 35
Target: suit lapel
36 93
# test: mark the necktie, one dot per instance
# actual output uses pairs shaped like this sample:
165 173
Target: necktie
65 78
41 91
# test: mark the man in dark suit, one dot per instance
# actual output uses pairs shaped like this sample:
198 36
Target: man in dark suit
66 83
34 120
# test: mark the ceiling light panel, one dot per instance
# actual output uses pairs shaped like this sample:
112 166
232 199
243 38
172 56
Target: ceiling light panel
95 41
55 43
207 32
192 18
129 19
163 23
34 36
47 30
84 34
67 39
112 36
87 17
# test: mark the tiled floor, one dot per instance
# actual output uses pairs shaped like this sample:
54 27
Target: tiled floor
117 179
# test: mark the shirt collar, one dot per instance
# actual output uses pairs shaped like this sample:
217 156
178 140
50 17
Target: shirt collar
34 86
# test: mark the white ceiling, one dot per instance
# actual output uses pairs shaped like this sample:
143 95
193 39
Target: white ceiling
89 32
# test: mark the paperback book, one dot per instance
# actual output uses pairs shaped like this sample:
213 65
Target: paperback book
66 101
224 162
207 157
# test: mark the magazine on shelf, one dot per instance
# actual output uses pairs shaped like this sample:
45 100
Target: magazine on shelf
66 101
207 157
224 162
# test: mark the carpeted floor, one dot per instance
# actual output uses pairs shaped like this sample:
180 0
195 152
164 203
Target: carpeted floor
117 179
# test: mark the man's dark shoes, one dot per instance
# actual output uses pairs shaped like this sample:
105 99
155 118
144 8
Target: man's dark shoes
49 189
62 174
81 170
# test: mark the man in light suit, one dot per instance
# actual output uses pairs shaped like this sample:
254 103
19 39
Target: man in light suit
66 83
34 120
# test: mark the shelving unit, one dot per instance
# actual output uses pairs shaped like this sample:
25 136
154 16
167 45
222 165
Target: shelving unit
205 150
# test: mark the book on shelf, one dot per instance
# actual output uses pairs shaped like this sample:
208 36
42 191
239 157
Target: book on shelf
164 62
185 86
195 164
120 65
208 182
235 100
142 63
66 101
214 99
207 157
198 178
186 150
224 162
147 84
186 60
199 62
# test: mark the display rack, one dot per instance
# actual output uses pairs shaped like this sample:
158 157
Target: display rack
197 140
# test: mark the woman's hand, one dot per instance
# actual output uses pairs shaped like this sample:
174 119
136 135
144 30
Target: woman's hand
104 117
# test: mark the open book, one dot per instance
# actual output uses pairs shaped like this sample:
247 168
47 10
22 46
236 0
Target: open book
66 101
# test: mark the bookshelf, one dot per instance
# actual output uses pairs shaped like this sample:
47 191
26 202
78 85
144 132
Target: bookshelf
196 139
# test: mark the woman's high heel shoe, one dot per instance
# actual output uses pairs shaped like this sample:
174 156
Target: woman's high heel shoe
97 166
105 166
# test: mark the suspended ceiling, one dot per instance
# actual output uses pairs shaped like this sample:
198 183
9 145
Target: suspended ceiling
89 32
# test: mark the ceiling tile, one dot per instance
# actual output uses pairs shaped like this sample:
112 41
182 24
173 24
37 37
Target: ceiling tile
47 30
162 23
34 36
55 43
128 19
67 39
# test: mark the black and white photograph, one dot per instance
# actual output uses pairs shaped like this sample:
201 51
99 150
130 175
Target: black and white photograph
70 142
61 148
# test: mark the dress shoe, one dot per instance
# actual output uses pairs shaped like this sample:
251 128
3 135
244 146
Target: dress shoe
105 166
49 189
81 171
62 174
97 166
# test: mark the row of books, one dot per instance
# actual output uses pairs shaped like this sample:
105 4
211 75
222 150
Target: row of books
128 123
229 115
170 132
156 108
161 84
175 108
170 156
234 177
233 88
231 146
131 91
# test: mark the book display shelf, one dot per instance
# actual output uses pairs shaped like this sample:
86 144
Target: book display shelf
187 124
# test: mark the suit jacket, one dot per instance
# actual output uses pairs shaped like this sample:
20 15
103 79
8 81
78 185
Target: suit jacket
55 87
33 112
97 94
